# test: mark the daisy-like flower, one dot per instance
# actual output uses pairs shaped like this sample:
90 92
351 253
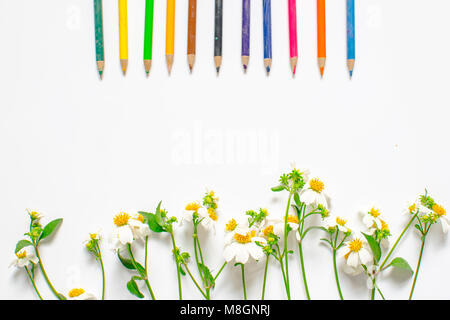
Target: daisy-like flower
207 216
34 215
371 217
80 294
314 194
441 213
356 254
123 233
24 257
276 225
242 245
341 223
140 229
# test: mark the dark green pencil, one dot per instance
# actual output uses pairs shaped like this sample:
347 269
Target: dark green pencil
100 55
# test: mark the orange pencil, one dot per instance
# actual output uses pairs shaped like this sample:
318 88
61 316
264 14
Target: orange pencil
321 36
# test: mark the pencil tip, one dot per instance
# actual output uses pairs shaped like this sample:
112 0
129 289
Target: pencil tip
322 69
147 74
124 72
245 68
190 68
351 74
218 69
268 70
293 71
100 73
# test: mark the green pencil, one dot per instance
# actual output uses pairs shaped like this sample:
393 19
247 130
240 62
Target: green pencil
148 35
100 55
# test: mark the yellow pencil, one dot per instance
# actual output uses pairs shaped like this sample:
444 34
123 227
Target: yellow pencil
170 34
123 35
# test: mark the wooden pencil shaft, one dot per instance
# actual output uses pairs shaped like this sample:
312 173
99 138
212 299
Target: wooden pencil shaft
245 28
218 28
170 28
123 29
148 33
192 23
98 17
267 25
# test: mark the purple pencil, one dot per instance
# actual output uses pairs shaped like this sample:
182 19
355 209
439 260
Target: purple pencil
245 33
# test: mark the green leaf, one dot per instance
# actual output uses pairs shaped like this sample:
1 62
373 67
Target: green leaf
374 246
297 199
134 289
182 271
400 263
158 216
49 228
278 188
207 276
151 221
61 296
127 263
22 244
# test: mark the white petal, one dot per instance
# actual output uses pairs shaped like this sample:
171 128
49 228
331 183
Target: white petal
255 251
125 234
242 254
365 256
353 259
228 253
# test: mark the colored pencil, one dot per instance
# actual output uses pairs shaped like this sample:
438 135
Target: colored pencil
148 35
293 46
123 35
321 36
170 34
267 26
245 49
99 47
192 22
350 36
218 23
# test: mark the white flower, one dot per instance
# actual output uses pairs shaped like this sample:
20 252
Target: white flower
370 216
242 245
140 229
80 294
339 222
207 216
123 233
24 257
356 254
276 226
314 194
442 215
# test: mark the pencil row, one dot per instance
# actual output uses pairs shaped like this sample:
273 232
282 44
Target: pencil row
218 34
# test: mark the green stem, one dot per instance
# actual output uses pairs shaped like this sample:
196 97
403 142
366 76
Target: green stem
243 281
145 276
34 284
52 288
285 252
265 277
336 275
396 242
218 273
103 271
300 249
381 294
195 282
372 296
180 292
418 266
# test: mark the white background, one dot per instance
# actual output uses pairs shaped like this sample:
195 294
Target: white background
83 149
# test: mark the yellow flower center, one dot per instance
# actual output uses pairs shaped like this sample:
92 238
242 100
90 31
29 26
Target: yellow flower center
76 292
121 219
140 218
341 221
292 219
412 208
247 238
316 185
268 231
21 255
193 206
374 212
93 236
212 214
439 210
231 225
355 245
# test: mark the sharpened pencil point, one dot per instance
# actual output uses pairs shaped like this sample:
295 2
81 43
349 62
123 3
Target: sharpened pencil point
218 69
267 70
351 74
322 69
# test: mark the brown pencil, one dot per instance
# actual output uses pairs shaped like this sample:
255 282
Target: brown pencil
192 21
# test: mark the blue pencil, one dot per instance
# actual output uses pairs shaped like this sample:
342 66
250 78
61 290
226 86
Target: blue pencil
350 36
267 21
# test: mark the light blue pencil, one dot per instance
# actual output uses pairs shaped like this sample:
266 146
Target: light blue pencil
350 36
